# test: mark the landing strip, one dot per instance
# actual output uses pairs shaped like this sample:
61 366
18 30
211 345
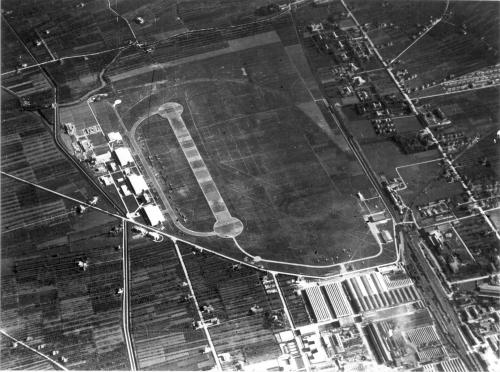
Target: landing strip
226 226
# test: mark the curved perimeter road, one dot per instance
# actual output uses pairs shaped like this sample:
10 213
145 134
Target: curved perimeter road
257 259
151 174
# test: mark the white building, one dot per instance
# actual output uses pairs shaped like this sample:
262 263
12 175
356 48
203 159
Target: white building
106 180
125 190
102 158
114 137
153 214
123 156
137 183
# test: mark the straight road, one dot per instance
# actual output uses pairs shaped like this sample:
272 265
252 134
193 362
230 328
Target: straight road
415 111
57 364
126 299
58 143
441 306
164 234
298 340
200 315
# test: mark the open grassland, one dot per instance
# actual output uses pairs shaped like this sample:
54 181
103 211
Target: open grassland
177 180
264 142
426 183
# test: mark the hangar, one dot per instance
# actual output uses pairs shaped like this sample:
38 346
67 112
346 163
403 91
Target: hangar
153 214
123 156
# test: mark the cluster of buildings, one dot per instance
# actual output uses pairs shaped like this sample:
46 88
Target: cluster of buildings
115 166
406 343
438 210
451 140
479 312
448 248
433 118
369 319
486 190
383 126
484 77
344 41
392 188
130 183
359 295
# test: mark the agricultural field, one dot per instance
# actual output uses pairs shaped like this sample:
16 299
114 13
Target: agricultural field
272 141
66 28
473 112
241 303
426 184
474 115
162 314
463 41
385 156
29 84
482 244
29 152
79 76
198 45
50 32
494 216
50 301
295 301
163 19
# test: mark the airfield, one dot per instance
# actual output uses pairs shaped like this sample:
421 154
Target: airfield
286 207
274 159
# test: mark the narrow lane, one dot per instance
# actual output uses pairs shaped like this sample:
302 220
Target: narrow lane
196 304
298 340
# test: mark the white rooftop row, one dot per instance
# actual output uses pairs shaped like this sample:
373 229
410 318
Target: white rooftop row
318 304
338 299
